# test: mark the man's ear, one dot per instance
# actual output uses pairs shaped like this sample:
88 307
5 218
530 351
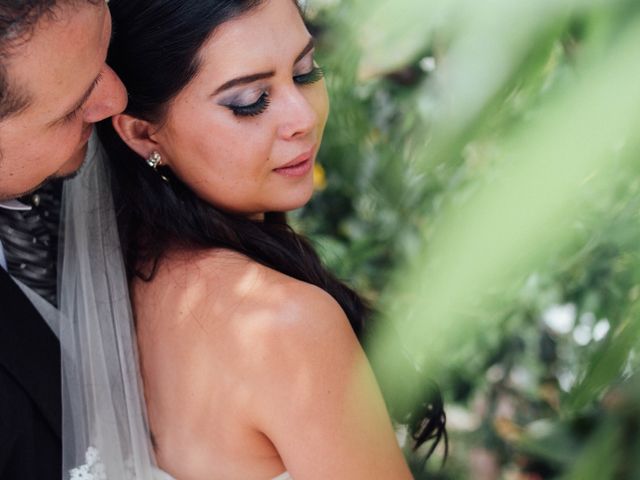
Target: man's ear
138 134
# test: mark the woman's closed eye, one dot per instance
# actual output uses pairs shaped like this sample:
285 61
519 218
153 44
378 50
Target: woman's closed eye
312 76
251 109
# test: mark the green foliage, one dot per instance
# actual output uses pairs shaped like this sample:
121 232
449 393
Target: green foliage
483 190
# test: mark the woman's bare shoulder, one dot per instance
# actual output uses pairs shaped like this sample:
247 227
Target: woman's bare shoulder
231 318
256 351
288 314
226 290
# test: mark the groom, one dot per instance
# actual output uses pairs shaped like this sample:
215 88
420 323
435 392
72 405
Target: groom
54 85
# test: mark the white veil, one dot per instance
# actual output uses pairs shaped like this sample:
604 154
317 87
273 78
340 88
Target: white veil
104 427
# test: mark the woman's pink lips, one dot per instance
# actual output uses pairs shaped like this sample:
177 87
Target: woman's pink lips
299 166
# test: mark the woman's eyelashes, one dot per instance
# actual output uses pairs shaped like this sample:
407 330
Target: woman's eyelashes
312 76
252 109
260 105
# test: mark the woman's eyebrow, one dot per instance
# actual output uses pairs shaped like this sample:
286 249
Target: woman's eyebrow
306 50
260 76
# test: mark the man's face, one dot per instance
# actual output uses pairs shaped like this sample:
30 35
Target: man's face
61 68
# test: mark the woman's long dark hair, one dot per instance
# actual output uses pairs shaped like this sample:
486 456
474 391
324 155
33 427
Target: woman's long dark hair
155 51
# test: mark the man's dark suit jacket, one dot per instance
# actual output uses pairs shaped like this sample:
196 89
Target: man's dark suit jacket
30 392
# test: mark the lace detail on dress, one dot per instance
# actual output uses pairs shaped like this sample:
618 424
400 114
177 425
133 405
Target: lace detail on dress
93 469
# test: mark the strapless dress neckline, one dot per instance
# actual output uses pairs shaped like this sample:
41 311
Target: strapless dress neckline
160 475
283 476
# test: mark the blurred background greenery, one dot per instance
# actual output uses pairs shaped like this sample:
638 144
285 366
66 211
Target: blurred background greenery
479 182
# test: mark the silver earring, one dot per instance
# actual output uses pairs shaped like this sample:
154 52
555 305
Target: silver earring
154 159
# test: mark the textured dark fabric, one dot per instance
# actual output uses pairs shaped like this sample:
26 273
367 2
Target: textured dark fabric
30 391
30 240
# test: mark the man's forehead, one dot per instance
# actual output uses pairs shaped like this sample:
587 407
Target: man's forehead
61 46
47 28
21 20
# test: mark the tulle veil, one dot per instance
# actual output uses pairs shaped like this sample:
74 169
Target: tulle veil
105 431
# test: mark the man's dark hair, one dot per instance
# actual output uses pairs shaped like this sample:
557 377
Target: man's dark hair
17 20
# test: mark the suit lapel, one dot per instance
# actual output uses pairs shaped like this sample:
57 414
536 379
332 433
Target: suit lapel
30 351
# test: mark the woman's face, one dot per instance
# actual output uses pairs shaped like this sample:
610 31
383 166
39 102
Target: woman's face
245 132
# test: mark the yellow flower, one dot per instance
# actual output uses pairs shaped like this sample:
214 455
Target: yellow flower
319 177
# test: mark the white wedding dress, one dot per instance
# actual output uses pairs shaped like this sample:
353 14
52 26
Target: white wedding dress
160 475
94 469
284 476
163 476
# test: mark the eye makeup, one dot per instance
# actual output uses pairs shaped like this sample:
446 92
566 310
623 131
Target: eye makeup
245 109
253 109
315 74
249 101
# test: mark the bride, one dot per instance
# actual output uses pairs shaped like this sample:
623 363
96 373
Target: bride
248 347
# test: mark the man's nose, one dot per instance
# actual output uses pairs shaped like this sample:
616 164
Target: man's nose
108 99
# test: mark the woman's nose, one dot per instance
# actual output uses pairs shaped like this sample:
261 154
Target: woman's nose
299 115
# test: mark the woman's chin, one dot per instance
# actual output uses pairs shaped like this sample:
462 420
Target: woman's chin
296 202
274 200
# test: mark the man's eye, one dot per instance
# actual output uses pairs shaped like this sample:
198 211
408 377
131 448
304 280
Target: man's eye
312 76
252 109
70 117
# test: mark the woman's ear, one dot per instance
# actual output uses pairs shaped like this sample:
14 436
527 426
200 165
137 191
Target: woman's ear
136 133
